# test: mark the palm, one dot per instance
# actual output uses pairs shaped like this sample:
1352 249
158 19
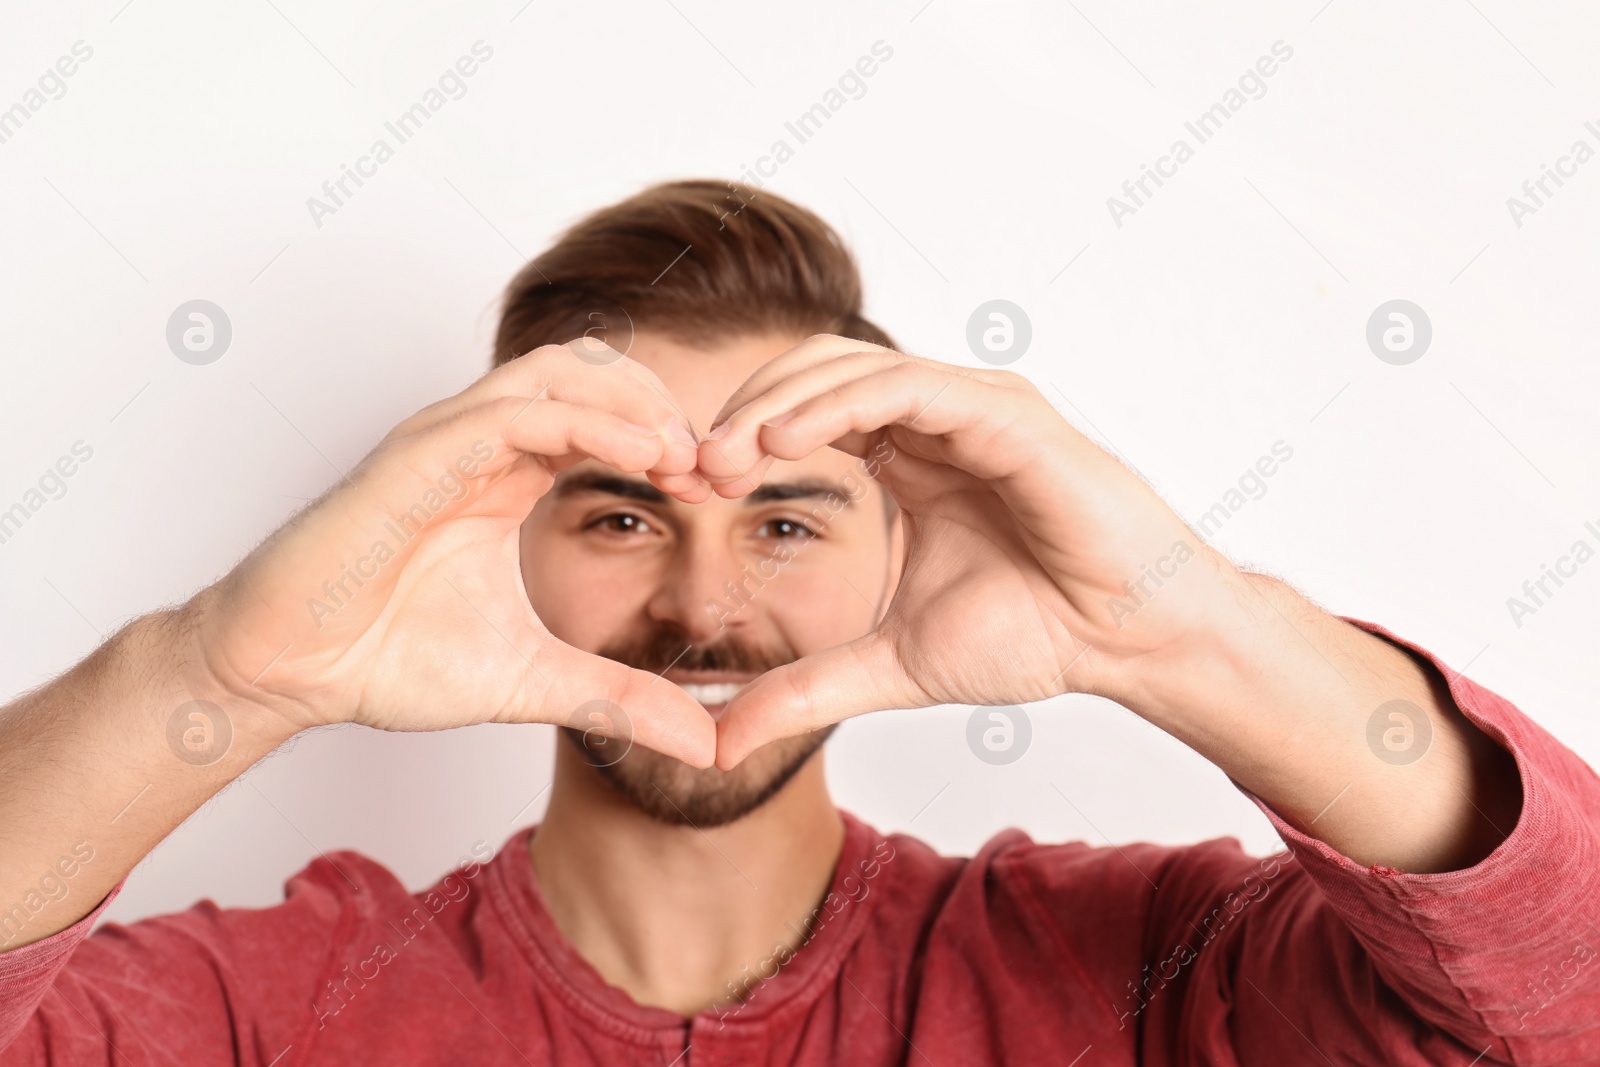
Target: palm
436 636
458 637
976 619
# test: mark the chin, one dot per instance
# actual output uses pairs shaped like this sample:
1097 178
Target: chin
672 792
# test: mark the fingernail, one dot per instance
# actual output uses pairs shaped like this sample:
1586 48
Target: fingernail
779 420
717 432
680 431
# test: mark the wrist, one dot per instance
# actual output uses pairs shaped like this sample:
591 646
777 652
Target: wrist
1255 636
1161 641
260 720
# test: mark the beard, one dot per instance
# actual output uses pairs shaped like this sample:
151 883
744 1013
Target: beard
670 790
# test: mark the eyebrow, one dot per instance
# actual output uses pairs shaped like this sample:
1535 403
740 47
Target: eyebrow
611 485
645 493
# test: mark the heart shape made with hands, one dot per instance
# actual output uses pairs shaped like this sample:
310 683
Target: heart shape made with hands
428 634
976 617
731 461
1015 530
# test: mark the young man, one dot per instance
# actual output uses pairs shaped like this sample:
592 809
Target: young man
657 552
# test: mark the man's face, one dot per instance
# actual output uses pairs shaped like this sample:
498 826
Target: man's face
709 595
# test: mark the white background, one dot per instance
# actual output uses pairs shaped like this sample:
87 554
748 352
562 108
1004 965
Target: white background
1226 314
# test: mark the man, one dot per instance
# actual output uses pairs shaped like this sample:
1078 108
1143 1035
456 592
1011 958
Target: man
759 521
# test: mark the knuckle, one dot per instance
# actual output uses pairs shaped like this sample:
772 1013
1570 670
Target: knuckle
535 361
543 352
1010 379
911 370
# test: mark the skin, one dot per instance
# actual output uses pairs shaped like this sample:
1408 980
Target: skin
671 913
1015 533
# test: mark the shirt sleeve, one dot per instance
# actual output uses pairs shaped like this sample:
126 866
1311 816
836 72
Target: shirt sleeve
1503 956
1207 955
206 985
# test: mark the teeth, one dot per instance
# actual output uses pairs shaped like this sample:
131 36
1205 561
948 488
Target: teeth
712 695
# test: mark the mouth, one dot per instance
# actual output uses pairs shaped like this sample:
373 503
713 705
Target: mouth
713 691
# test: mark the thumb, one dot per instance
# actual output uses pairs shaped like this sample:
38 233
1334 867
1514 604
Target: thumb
616 707
815 691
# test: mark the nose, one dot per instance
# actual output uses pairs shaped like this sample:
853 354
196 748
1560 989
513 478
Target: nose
706 590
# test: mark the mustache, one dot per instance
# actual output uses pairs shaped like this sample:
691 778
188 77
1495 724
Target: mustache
664 647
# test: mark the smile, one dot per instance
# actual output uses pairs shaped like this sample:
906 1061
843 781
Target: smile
711 695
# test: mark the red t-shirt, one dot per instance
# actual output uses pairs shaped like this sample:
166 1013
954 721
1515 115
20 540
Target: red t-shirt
1025 953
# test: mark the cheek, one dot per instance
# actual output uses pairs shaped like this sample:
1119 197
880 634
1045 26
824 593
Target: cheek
584 598
821 602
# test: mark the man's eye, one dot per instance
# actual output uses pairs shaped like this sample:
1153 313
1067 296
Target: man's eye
787 529
622 523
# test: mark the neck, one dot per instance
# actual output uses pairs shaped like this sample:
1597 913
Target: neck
674 915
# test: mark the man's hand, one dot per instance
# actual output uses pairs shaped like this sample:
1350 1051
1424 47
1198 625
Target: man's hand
1026 543
1037 564
396 601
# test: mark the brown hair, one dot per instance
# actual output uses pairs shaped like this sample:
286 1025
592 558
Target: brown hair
700 261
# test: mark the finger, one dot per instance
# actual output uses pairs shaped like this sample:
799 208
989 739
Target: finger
555 428
689 488
741 483
734 447
558 372
572 368
456 461
988 428
821 348
815 691
479 446
586 692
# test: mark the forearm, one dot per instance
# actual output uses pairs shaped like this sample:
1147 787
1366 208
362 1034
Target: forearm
92 765
1295 705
